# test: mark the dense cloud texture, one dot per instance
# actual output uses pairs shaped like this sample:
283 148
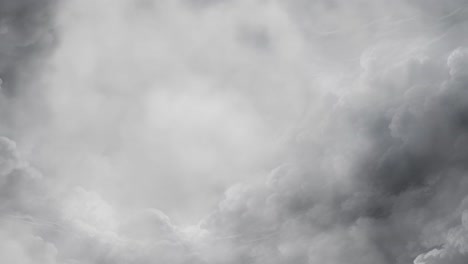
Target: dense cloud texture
337 128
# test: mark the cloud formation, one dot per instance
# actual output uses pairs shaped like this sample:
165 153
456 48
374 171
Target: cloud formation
337 128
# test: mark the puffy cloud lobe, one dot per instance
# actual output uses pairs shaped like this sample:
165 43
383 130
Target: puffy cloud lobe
20 246
22 201
404 198
19 183
39 225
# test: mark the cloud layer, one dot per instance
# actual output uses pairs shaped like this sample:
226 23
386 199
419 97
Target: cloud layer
262 131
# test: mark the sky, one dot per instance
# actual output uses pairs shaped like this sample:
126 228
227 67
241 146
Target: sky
233 131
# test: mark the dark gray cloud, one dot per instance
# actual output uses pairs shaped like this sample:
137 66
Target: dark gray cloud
25 30
26 34
406 195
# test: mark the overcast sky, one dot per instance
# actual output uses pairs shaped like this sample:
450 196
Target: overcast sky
233 131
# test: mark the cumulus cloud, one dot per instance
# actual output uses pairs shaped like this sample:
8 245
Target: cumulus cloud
298 132
39 225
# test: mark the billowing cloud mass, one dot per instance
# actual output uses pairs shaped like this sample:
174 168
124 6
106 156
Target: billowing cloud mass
232 132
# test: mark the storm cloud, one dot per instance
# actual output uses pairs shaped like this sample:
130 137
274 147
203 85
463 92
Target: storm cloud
234 132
